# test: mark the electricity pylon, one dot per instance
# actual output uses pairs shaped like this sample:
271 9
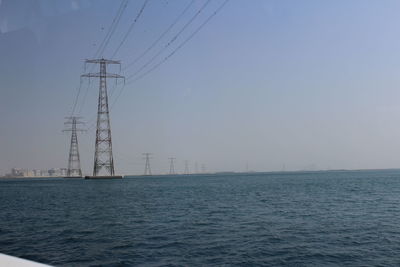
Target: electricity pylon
203 168
74 163
147 169
103 156
171 166
186 167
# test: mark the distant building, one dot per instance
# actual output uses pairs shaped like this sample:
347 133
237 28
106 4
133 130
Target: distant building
63 172
28 173
53 172
17 172
57 172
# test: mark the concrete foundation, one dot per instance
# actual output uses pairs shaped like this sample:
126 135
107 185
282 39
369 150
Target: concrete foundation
103 177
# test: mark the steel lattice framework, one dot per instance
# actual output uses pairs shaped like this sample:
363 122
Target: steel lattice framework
186 167
103 156
74 163
147 169
171 166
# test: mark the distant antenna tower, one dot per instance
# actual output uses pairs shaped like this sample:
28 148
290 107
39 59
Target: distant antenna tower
196 167
203 168
147 170
171 166
186 167
103 156
74 163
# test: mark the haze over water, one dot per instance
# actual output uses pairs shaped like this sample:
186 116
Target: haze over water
285 219
310 84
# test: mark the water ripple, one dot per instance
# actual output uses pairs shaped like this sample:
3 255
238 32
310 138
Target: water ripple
292 219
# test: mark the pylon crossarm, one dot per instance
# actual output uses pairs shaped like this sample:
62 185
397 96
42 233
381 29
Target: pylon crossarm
102 60
101 75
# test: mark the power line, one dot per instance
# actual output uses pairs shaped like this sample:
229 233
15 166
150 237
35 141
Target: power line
87 91
115 100
172 53
101 48
175 37
175 50
181 45
161 36
76 98
107 37
130 28
92 120
112 29
84 99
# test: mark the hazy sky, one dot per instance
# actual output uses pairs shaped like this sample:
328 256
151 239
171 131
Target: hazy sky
309 84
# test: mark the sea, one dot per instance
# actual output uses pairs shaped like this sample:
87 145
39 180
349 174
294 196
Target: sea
321 218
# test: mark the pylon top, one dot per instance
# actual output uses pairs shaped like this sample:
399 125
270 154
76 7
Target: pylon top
102 60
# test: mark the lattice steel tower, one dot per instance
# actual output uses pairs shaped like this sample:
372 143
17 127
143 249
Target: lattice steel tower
186 167
147 169
103 156
171 166
74 163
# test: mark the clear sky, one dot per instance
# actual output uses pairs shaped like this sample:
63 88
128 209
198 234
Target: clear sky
307 84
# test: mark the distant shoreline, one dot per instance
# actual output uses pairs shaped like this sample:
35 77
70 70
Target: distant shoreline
29 177
227 173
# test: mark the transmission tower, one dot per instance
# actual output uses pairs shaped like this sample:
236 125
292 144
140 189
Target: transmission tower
74 163
203 168
103 156
196 167
186 167
147 169
171 166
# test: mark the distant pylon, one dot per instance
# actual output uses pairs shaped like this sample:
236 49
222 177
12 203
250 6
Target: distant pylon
186 167
171 166
203 168
74 163
147 169
103 156
196 167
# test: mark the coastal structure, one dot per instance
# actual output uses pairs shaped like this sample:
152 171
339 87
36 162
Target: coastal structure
35 173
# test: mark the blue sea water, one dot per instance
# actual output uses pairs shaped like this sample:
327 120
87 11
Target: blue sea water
349 218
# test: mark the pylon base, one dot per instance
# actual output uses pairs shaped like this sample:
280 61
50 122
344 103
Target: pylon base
104 177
